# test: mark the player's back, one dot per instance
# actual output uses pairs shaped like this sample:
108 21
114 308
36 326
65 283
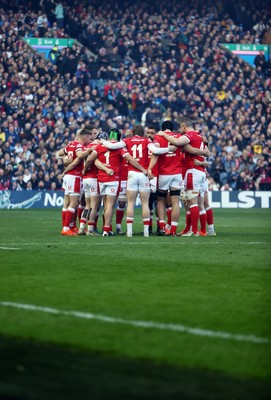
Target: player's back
111 159
137 146
195 140
169 163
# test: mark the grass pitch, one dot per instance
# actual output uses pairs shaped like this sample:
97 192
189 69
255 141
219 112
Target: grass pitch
171 317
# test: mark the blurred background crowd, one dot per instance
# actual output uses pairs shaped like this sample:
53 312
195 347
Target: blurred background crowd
134 62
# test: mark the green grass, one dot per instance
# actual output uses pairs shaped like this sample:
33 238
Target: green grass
216 284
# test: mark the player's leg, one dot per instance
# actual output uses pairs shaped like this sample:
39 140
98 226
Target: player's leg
84 216
71 211
210 216
95 202
97 214
153 204
82 205
202 216
175 213
183 197
161 211
108 214
120 214
192 193
144 197
163 187
144 192
151 207
168 212
176 183
131 198
121 205
109 191
73 190
64 208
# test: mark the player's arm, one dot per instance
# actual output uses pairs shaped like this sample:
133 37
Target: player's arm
67 161
197 152
102 167
83 154
89 161
131 160
71 166
204 163
158 150
180 141
112 145
153 161
61 153
172 148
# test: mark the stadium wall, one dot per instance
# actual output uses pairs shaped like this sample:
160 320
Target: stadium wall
48 199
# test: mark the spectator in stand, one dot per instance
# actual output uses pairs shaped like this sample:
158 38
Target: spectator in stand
208 83
4 181
59 14
260 62
226 187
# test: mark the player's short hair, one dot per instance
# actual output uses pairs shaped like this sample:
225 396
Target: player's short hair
138 130
186 121
167 125
151 128
115 134
87 130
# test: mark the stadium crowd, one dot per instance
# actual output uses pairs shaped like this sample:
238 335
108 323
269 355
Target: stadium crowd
140 63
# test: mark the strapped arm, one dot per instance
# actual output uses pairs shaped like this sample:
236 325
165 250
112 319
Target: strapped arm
158 150
113 145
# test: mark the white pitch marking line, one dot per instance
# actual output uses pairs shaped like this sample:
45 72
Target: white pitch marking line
9 248
141 324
